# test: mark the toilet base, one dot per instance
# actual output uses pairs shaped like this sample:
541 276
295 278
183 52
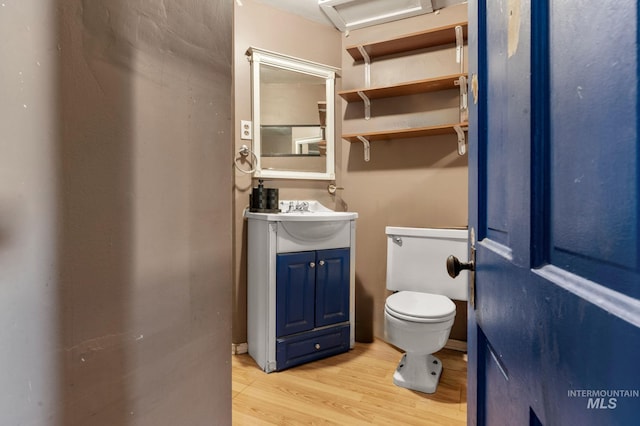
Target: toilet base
418 372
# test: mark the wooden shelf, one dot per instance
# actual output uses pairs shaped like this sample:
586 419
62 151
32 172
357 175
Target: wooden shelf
415 132
408 44
420 40
403 89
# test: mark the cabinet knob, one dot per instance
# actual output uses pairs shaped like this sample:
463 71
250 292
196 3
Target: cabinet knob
317 345
312 264
321 263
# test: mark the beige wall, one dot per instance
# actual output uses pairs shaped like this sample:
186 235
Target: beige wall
412 182
268 28
420 182
115 212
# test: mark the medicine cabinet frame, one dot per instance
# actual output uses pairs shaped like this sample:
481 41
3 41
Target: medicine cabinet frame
258 57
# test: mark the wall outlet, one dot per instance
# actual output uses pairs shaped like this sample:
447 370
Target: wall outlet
245 130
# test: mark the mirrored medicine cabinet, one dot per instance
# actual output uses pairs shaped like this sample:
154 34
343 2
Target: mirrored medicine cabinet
293 114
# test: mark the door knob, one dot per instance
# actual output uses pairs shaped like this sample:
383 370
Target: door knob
454 266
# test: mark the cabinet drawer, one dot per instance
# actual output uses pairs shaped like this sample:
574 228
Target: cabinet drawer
310 346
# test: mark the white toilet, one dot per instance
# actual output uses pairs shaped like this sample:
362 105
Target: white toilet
419 315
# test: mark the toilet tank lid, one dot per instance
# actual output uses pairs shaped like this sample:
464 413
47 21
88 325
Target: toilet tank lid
427 232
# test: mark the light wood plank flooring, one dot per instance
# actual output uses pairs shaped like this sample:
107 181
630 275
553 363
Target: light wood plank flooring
354 388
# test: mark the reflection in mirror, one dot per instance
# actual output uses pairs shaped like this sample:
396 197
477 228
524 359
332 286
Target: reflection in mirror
280 141
293 116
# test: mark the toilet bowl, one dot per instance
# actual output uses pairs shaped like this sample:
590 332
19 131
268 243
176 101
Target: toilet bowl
418 323
417 320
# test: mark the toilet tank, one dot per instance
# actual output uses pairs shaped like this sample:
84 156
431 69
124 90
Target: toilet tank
416 260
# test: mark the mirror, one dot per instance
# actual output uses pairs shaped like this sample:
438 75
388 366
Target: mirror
293 104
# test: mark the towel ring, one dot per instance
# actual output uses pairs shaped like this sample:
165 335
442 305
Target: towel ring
245 152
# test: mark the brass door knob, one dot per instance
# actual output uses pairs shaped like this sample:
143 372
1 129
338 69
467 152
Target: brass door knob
454 266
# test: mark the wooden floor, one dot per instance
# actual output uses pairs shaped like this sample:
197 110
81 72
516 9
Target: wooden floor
354 388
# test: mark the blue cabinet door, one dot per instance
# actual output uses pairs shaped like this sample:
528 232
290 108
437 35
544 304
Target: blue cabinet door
332 287
295 292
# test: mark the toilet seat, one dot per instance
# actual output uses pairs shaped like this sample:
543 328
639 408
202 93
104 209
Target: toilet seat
420 307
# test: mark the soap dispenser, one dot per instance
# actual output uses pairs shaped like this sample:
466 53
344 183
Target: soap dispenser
263 200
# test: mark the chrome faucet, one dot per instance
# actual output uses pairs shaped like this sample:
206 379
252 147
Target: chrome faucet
298 207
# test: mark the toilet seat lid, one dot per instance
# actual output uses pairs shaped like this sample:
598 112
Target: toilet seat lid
420 307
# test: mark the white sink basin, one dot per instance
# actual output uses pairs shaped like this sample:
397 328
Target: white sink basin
303 224
316 230
308 225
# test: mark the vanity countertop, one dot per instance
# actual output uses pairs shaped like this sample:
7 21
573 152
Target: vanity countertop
301 211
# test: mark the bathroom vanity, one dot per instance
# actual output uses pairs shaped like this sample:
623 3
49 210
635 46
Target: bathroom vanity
300 284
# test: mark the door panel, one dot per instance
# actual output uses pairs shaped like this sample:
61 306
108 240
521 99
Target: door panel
332 287
554 190
594 179
497 168
495 382
295 292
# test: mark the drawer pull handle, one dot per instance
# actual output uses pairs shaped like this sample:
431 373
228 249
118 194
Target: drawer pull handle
317 345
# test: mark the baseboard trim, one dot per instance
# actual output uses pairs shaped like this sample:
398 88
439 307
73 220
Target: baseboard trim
239 348
456 345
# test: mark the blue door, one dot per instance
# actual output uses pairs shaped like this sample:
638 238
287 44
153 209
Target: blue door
554 331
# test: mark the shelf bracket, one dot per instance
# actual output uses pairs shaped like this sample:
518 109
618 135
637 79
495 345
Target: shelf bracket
367 66
367 104
459 47
367 147
462 82
462 149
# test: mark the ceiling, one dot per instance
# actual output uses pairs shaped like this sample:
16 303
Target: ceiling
308 9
